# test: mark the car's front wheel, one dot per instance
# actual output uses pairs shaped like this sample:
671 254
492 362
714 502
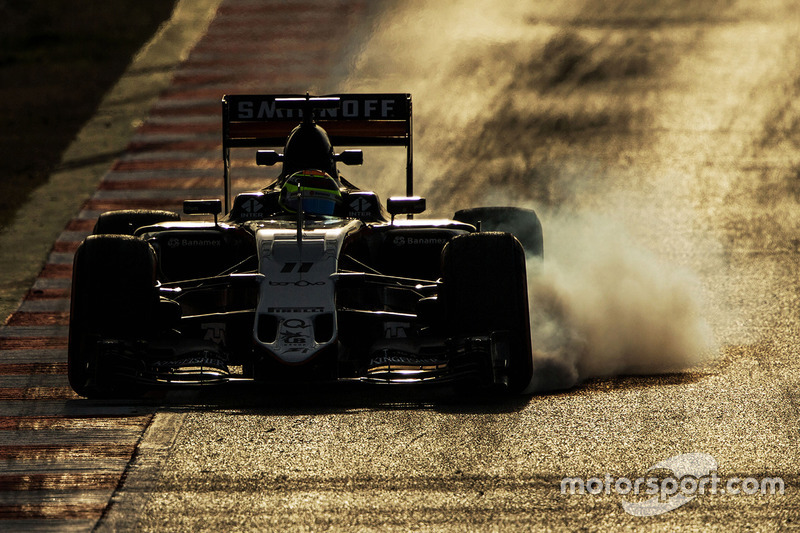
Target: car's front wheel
484 290
523 223
113 297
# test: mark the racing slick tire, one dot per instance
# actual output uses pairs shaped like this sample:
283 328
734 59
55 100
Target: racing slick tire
114 296
524 224
127 221
485 290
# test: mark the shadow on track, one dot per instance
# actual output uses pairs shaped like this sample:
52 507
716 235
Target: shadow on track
305 399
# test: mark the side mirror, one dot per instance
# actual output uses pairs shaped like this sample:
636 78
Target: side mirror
405 205
267 158
203 207
351 157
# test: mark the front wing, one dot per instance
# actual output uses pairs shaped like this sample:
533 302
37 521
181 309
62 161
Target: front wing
481 360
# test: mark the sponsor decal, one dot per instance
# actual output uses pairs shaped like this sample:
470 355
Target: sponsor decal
300 268
200 360
418 241
360 207
214 332
252 208
300 283
294 337
176 242
264 110
296 323
398 358
295 309
396 330
295 333
295 349
375 109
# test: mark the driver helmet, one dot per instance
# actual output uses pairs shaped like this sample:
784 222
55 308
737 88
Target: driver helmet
308 146
319 192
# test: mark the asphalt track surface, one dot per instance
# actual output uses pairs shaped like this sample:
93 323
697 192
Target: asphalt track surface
692 147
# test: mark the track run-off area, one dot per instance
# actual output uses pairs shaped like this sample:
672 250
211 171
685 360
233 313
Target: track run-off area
659 142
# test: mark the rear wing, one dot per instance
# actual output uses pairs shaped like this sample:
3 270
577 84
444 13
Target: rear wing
261 121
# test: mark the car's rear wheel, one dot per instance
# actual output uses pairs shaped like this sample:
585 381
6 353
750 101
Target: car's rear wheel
127 221
524 224
484 290
113 297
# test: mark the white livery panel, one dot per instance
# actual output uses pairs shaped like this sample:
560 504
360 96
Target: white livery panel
296 313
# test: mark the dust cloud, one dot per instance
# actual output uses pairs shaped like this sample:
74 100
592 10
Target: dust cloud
605 305
521 105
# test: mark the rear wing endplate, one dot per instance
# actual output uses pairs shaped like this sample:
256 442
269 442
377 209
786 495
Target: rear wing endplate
261 121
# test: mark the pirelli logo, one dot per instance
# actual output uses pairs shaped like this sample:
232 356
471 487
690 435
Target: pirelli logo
305 310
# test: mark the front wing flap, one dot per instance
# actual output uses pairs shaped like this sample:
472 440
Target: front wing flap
483 358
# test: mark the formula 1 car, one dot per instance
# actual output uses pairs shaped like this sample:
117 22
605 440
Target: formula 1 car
309 279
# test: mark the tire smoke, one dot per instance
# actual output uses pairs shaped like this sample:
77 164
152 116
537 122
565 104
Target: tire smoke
603 305
511 110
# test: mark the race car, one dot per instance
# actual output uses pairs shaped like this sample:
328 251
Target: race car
310 279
